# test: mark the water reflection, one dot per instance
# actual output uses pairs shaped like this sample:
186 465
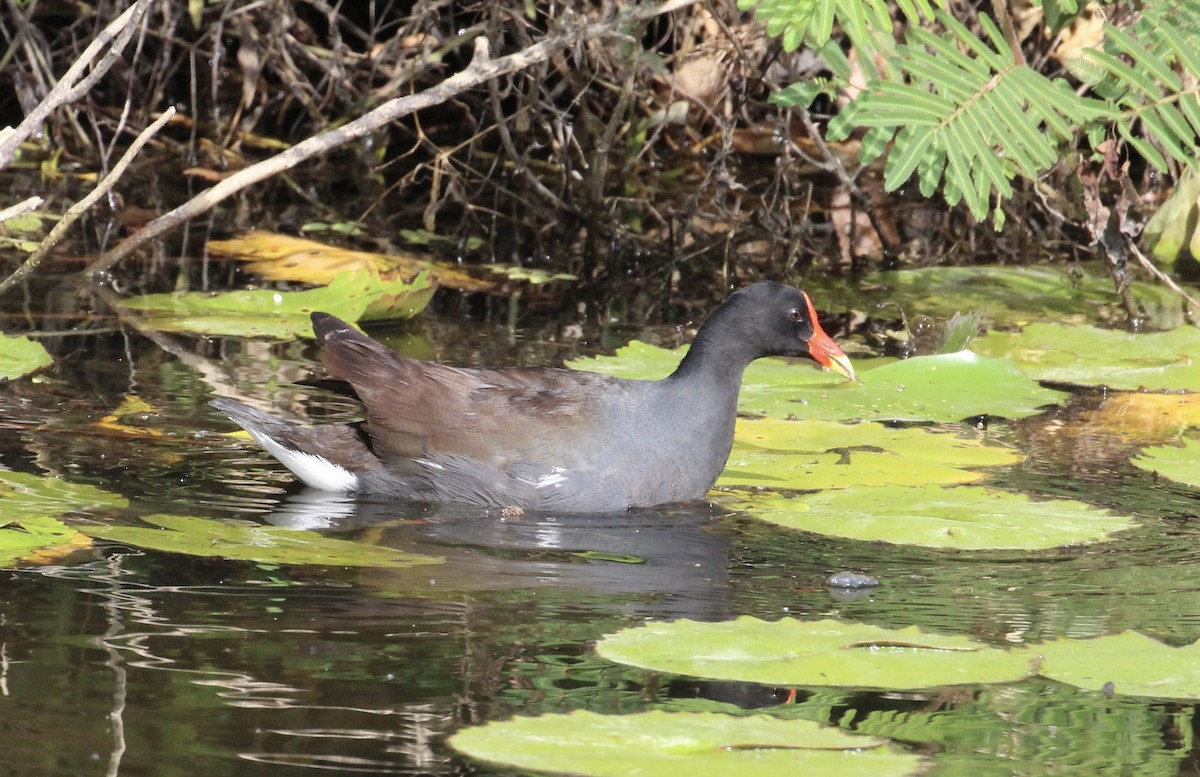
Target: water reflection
668 562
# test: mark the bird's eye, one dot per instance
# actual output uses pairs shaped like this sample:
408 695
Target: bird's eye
795 315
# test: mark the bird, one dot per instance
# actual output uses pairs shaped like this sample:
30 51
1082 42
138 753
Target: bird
538 438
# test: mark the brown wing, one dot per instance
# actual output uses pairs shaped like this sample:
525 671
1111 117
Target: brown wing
416 408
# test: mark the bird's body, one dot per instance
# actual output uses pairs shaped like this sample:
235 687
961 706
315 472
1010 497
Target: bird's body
539 438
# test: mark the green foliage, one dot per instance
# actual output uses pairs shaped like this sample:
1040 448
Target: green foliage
963 110
813 21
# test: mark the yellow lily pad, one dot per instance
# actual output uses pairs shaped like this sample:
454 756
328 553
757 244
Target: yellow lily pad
770 453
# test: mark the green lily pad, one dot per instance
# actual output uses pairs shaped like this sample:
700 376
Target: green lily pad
29 529
1135 664
1007 296
1179 463
1090 356
790 652
20 356
25 495
253 542
697 744
283 314
965 517
769 453
34 538
943 388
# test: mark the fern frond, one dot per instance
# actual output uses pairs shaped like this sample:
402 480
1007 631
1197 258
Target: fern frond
967 115
812 22
1152 74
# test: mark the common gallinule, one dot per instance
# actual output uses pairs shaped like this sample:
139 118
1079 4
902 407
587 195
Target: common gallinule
541 439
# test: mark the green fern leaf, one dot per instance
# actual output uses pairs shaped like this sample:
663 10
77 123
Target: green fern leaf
1144 57
1177 124
930 174
1125 73
874 143
1154 123
913 144
1189 105
821 26
1149 152
1187 51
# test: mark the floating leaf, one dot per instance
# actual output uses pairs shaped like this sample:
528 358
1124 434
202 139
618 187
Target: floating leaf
790 652
1090 356
822 454
20 356
1045 727
1135 664
967 517
1007 296
943 388
1179 463
253 542
25 495
278 257
1144 417
697 744
123 419
29 530
36 539
281 314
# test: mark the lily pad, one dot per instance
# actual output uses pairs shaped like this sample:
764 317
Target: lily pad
253 542
1135 664
25 495
20 356
29 529
1007 296
1142 417
965 517
1089 356
282 314
1179 463
790 652
943 388
769 453
34 539
697 744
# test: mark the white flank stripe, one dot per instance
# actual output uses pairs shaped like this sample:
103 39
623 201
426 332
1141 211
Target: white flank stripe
316 471
552 480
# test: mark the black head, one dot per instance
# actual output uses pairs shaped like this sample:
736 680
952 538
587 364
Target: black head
769 319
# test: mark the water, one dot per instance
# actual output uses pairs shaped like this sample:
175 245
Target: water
116 660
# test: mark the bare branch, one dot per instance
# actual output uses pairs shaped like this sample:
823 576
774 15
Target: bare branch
78 209
481 70
70 87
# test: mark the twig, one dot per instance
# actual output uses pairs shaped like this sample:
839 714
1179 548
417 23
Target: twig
1161 276
78 209
482 69
24 206
834 165
70 87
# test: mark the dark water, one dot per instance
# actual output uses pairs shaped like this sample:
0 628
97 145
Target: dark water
132 662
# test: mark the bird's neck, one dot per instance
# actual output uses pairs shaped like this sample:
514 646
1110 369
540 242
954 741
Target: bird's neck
715 361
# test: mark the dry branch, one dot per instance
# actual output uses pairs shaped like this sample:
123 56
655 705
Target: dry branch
481 70
112 41
78 209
